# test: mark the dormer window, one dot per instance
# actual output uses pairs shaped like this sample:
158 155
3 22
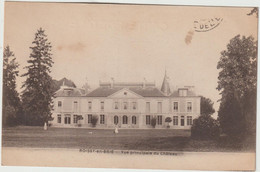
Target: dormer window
68 91
183 92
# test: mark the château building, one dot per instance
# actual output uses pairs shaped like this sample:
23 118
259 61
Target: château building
126 105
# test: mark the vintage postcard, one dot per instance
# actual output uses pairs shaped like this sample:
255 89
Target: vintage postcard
132 86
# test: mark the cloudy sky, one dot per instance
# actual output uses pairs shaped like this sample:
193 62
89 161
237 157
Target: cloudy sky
128 42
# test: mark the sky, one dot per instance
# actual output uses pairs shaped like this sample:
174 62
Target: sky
94 42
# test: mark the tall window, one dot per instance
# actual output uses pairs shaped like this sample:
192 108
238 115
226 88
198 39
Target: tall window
189 106
102 105
175 107
134 105
89 118
59 103
102 119
125 119
159 119
89 105
189 120
148 119
75 119
115 120
125 105
116 105
182 120
67 120
159 107
75 106
175 120
147 107
133 119
59 118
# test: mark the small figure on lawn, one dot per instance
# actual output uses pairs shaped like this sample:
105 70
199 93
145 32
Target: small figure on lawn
45 126
116 130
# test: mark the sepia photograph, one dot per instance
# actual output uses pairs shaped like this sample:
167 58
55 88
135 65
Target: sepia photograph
129 86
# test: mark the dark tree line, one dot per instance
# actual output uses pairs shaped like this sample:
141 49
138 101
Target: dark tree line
205 126
237 86
237 83
38 92
11 102
35 105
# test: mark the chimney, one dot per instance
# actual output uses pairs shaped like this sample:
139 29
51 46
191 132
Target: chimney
190 88
144 83
63 84
112 82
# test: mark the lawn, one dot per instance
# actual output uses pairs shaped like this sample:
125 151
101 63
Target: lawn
126 139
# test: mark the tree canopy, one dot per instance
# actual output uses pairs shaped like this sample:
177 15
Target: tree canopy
238 67
237 85
206 106
38 86
11 101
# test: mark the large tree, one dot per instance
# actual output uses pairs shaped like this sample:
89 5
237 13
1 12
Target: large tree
38 88
11 102
205 127
237 85
206 106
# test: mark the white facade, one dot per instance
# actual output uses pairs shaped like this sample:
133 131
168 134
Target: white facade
125 105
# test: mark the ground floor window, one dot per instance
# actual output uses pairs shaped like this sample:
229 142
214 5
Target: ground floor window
102 119
115 120
133 119
59 118
189 120
148 119
75 119
125 119
67 120
175 120
182 120
159 119
89 118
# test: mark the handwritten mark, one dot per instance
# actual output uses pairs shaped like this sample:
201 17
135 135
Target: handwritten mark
188 37
205 25
72 47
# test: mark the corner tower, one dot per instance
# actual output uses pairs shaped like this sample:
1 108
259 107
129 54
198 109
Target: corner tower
166 85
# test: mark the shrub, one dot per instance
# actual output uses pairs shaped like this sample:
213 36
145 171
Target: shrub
205 127
153 122
94 120
168 120
79 117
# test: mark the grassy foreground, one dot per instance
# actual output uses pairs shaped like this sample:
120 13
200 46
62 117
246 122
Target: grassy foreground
130 139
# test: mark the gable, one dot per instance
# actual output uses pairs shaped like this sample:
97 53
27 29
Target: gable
125 93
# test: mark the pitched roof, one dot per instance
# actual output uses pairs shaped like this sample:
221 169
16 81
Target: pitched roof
68 92
107 91
103 91
147 92
189 94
